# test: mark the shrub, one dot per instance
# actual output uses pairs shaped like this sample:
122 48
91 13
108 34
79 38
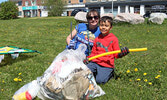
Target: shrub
8 10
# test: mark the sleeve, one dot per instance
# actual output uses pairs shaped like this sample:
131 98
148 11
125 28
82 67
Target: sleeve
81 26
116 46
77 27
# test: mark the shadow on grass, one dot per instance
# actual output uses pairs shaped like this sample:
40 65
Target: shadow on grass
9 61
116 76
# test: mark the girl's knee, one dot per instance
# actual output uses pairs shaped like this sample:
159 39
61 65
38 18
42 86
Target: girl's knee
101 81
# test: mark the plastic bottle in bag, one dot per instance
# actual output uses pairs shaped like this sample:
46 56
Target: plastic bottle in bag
22 96
27 92
33 89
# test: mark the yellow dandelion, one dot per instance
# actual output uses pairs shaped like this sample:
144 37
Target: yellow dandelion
16 79
145 80
135 69
20 80
120 44
128 71
138 79
2 89
144 74
130 80
3 81
157 76
160 71
150 83
139 85
49 63
19 74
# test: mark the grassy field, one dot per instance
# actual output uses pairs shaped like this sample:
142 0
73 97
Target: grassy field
139 75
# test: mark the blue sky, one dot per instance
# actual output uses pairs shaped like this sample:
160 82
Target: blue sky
2 1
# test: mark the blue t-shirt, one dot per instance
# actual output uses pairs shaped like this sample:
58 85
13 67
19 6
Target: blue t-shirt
84 34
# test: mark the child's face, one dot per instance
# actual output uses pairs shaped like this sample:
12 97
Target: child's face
105 27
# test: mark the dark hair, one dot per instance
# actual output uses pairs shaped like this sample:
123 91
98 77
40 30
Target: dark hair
106 18
92 11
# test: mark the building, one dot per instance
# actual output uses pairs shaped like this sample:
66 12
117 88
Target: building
127 6
71 5
34 8
31 8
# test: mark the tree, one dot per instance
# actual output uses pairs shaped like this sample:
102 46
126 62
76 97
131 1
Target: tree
55 7
8 10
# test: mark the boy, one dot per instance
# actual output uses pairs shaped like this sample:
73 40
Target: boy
103 67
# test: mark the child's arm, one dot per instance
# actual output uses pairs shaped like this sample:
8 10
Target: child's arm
116 46
70 37
124 50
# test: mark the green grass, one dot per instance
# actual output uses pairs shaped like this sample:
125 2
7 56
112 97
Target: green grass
48 36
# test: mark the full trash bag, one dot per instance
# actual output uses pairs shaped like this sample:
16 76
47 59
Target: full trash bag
66 78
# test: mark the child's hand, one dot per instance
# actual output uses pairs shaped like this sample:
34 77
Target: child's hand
71 45
124 52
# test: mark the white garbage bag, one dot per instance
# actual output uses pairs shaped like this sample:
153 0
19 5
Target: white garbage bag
68 78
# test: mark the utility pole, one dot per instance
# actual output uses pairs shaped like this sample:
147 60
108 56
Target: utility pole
112 6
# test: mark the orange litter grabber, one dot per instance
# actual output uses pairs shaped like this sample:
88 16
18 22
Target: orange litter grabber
118 51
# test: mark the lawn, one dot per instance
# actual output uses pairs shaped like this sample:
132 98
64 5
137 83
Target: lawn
139 75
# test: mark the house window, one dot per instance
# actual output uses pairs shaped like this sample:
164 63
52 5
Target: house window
69 1
42 1
93 0
20 3
81 1
20 13
26 3
33 2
